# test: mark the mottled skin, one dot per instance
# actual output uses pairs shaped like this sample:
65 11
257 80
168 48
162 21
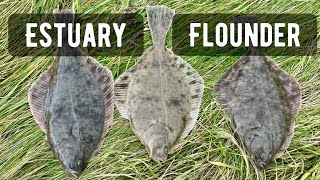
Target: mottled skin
158 103
161 94
72 102
74 113
258 105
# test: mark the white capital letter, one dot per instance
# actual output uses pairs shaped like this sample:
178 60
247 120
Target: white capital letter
89 36
205 36
70 35
278 35
265 31
251 34
59 27
45 34
224 34
192 33
102 35
30 35
232 35
293 36
119 32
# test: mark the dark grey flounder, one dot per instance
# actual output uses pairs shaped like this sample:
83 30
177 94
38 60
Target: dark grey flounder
161 94
262 102
72 102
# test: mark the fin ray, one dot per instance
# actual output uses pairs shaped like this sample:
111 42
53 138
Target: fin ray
159 20
121 91
222 89
36 97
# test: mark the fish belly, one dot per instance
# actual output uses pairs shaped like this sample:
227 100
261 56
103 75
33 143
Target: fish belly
258 104
75 111
159 95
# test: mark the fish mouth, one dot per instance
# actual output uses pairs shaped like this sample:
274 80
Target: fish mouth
262 164
75 174
160 154
159 159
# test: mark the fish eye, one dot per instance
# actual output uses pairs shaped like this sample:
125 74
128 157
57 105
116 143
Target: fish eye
263 156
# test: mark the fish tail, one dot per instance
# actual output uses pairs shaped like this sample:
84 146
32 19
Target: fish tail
249 19
159 19
64 16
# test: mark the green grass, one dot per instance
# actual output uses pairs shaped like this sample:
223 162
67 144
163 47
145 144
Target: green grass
210 151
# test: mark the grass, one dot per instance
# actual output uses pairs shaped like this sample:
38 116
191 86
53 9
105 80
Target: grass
210 151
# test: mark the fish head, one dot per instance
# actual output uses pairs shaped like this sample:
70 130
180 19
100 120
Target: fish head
72 161
262 158
260 148
156 141
158 149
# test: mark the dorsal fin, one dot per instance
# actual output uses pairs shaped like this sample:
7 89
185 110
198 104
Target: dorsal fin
195 82
36 97
292 88
105 79
121 90
159 20
222 88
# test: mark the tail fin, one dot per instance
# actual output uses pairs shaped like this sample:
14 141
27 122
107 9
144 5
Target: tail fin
251 19
159 19
64 16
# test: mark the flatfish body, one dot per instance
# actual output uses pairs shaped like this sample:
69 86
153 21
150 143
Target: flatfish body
161 94
72 102
262 102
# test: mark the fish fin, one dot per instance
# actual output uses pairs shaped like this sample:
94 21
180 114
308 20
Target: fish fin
251 19
159 20
64 16
47 141
223 88
292 88
121 91
105 79
36 97
197 87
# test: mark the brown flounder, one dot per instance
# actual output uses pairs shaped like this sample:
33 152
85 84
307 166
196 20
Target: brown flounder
262 102
161 94
72 102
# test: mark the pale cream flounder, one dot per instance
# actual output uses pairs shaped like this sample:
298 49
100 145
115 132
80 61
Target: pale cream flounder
161 94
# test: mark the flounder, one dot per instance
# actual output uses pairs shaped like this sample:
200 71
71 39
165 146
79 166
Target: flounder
262 102
72 102
161 94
